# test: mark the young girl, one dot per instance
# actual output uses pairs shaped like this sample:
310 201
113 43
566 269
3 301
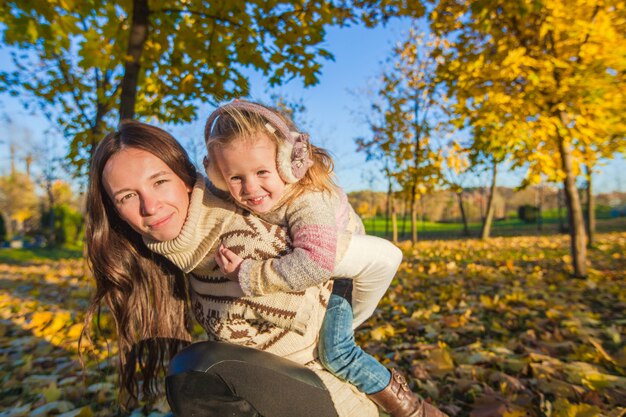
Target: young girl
272 170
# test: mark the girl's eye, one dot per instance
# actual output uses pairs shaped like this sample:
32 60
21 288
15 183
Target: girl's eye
263 172
235 179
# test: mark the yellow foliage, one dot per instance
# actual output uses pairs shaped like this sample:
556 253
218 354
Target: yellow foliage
563 408
74 331
52 392
540 77
40 320
440 361
383 332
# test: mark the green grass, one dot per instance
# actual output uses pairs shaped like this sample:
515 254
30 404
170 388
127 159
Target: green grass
506 227
34 255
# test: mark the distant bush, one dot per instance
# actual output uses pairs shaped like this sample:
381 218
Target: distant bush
528 213
67 225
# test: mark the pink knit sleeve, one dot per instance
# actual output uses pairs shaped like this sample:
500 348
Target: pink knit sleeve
312 223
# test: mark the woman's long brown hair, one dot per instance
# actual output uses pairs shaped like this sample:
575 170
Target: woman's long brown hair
145 294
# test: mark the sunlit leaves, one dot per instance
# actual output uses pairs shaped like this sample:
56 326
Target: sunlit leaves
519 65
541 83
406 100
71 55
496 328
42 310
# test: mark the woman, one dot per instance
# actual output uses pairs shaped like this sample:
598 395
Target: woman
144 192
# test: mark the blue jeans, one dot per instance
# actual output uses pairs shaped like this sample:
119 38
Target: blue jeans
338 351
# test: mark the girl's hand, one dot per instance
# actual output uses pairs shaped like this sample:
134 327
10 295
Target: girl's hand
229 262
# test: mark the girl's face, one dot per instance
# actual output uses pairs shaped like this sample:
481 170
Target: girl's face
249 169
148 196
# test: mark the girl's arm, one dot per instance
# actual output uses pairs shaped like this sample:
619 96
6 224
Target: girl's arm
312 223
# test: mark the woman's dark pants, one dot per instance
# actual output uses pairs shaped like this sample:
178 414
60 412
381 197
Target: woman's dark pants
220 379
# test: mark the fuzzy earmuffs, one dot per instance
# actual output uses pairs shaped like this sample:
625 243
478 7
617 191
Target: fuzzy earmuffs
293 156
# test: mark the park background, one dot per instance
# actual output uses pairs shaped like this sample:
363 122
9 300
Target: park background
510 300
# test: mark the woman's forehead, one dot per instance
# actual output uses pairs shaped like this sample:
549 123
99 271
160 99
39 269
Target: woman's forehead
132 165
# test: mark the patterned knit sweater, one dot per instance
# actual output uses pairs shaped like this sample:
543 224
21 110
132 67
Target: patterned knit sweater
267 323
216 299
320 225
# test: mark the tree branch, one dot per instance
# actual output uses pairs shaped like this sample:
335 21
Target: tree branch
70 82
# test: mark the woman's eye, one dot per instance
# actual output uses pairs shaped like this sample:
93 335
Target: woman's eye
126 197
159 182
263 172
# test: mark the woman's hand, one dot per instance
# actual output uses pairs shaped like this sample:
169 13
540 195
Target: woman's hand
229 262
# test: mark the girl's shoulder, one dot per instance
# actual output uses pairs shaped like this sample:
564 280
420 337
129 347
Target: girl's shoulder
316 197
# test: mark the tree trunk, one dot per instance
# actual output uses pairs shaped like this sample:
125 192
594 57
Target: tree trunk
8 226
576 223
463 216
486 229
539 203
418 137
12 152
136 40
404 217
559 202
414 213
51 233
394 222
591 209
388 210
422 214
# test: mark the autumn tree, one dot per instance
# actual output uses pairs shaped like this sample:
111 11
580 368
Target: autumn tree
594 152
455 172
489 146
89 63
379 148
485 230
409 101
551 73
18 201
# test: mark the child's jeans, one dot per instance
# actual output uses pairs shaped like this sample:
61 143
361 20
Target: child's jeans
337 349
371 262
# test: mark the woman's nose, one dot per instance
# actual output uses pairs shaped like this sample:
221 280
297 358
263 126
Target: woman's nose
149 205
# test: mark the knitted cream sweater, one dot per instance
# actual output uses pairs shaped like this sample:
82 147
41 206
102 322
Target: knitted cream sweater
215 299
267 323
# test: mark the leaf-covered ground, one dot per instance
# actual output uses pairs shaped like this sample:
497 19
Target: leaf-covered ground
482 329
501 329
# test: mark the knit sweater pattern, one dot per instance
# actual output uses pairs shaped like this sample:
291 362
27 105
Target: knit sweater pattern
320 225
277 322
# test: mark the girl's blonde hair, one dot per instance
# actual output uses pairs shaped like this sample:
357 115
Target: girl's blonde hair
234 124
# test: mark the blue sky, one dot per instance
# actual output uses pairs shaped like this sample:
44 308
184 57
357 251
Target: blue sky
330 117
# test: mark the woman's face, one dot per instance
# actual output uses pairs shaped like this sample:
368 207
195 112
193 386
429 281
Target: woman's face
148 196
